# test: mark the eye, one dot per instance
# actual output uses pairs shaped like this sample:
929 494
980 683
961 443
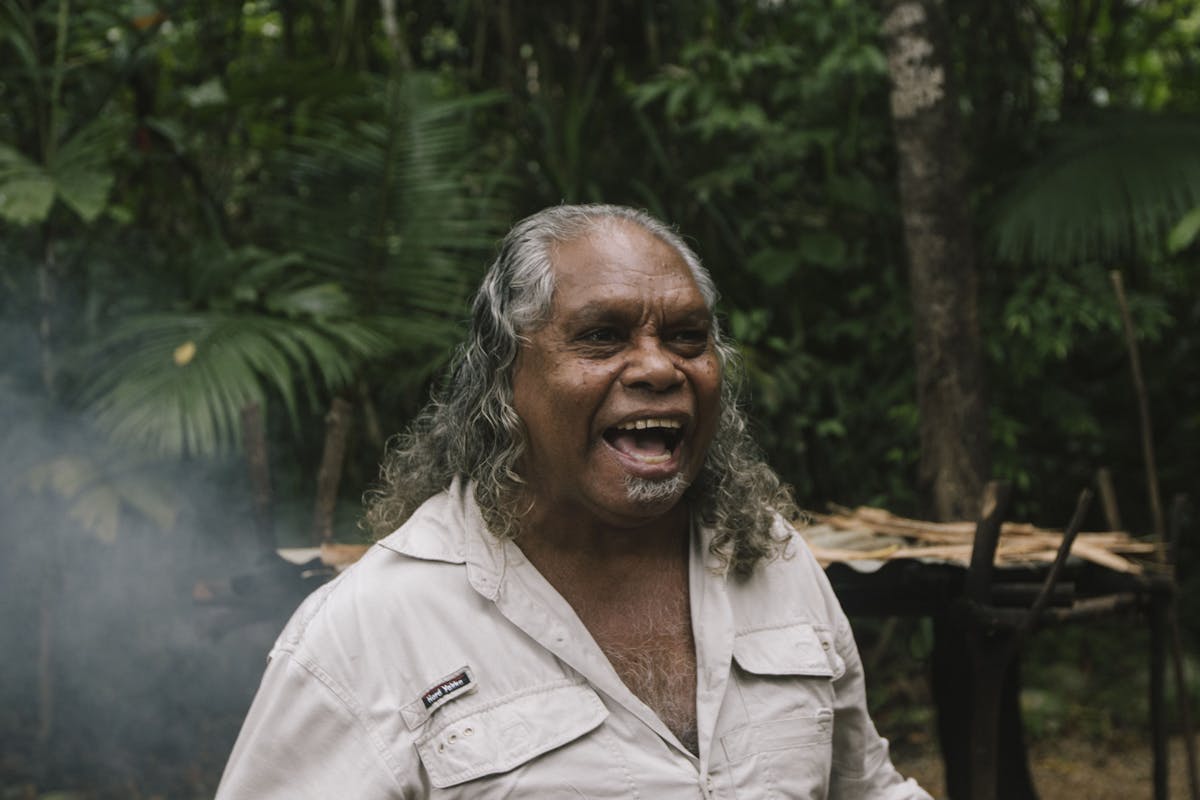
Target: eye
599 336
692 336
691 341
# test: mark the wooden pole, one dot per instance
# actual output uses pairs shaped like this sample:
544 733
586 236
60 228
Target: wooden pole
1178 512
1158 695
990 653
987 536
1160 532
1139 386
1108 499
1181 699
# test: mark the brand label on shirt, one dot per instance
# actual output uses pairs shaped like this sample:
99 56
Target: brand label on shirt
452 686
446 687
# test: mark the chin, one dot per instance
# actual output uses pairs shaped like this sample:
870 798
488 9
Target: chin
663 493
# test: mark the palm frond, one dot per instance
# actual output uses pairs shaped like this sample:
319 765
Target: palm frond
1102 192
385 203
176 383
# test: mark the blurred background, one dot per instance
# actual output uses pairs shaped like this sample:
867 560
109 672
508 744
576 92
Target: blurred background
237 242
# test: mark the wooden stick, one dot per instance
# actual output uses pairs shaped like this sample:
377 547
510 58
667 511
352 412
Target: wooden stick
1179 510
1039 604
1108 498
987 536
1139 386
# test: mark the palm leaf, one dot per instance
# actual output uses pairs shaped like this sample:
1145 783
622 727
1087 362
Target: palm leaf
1102 192
405 232
176 383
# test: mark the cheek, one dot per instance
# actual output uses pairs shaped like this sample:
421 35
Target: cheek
706 377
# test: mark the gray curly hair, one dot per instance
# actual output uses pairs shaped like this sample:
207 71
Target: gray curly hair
471 429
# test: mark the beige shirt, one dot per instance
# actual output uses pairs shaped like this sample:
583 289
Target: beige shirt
443 665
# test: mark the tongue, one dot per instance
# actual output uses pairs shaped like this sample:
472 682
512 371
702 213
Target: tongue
643 444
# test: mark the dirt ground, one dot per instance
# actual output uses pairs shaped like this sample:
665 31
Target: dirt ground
1073 769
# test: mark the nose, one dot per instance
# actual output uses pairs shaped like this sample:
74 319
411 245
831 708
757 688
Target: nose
651 367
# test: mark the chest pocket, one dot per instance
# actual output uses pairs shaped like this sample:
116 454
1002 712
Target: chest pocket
506 733
785 679
797 649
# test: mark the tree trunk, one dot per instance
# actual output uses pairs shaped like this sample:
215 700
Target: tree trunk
337 431
942 277
258 466
395 36
953 465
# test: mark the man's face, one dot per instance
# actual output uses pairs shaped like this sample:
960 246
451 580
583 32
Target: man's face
622 385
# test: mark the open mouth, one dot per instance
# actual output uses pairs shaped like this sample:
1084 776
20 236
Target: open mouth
650 441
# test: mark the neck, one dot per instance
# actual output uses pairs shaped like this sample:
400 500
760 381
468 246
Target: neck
599 543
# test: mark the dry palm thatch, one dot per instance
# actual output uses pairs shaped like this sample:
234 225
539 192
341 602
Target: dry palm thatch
876 534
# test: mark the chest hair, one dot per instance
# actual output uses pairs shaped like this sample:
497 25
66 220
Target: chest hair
648 640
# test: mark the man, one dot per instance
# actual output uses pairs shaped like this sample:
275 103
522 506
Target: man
591 589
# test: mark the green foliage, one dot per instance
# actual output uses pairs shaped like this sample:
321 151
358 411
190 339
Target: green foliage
205 205
1185 231
175 383
78 175
415 219
69 159
26 191
1107 189
352 202
769 131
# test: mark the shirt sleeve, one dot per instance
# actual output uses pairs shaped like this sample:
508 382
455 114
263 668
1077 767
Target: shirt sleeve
862 769
303 739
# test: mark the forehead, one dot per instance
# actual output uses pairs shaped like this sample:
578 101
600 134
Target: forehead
620 262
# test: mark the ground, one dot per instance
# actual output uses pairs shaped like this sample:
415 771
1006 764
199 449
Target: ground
1070 769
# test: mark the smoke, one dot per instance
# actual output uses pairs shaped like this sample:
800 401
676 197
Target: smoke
114 678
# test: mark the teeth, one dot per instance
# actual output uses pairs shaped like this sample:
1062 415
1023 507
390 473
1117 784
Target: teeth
649 422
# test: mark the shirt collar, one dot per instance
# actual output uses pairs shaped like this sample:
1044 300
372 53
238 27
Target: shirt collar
449 527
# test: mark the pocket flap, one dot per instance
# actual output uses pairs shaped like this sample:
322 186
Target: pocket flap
508 732
787 650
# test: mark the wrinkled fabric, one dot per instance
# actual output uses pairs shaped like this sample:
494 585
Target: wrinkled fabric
444 666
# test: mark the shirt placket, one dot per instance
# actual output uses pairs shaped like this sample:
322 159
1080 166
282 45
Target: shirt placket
712 628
